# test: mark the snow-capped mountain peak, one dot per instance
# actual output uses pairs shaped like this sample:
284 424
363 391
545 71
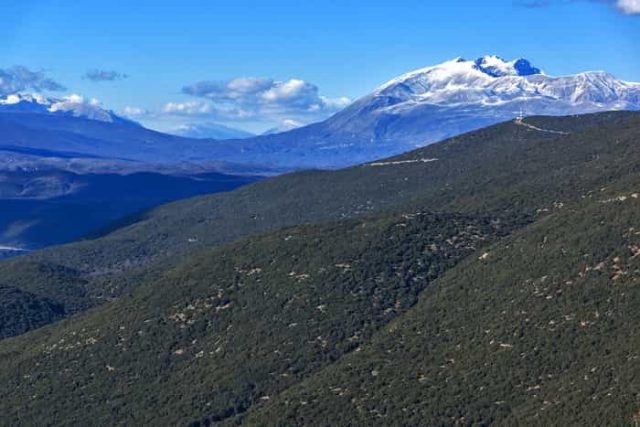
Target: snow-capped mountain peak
459 70
78 106
498 67
412 110
71 105
491 80
16 98
25 103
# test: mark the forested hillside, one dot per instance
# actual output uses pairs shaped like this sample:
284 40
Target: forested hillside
229 328
539 329
489 279
508 168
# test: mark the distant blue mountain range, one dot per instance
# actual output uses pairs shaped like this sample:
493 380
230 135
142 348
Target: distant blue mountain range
415 109
69 167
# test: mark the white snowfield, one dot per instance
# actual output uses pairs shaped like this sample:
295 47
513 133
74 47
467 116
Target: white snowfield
438 102
493 81
74 105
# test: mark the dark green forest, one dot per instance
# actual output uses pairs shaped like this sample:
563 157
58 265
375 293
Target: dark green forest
492 278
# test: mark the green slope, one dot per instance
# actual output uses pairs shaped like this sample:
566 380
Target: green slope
540 331
496 284
21 311
228 329
504 168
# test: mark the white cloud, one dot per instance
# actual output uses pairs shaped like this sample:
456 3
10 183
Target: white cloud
336 103
189 108
134 111
16 98
291 92
237 89
80 106
291 124
262 97
255 103
206 109
74 102
245 86
629 7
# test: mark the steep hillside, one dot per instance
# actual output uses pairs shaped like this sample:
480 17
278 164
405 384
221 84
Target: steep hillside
228 329
508 169
21 311
522 314
507 166
539 329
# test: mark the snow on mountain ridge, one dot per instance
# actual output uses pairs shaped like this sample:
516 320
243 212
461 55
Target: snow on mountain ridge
415 109
74 105
498 67
484 68
16 98
492 80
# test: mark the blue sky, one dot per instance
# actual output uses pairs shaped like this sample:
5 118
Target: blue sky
168 61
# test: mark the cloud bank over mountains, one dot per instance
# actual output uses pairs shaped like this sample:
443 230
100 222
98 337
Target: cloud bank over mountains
237 100
244 98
